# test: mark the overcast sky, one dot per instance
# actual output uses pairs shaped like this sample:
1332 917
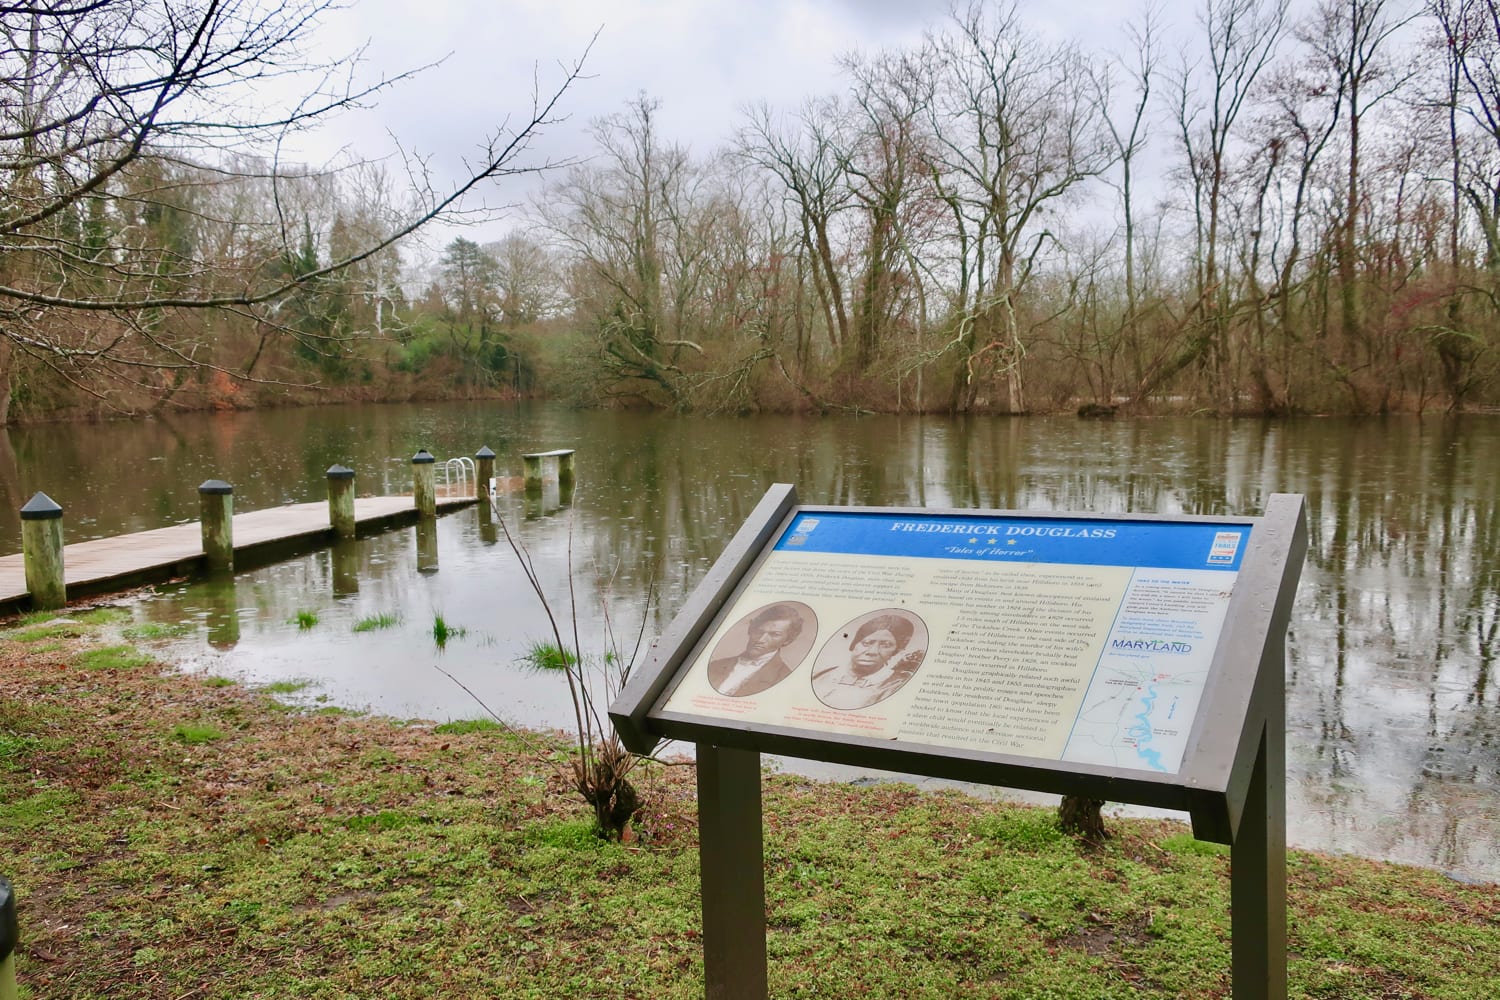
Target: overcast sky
703 60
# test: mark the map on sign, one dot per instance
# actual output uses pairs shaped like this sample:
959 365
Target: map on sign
1064 639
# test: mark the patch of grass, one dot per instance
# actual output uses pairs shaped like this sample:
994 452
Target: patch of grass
64 628
379 757
1021 829
304 619
386 819
460 727
442 631
15 746
114 658
545 655
195 734
372 622
570 835
105 614
38 809
1184 843
335 712
216 681
286 687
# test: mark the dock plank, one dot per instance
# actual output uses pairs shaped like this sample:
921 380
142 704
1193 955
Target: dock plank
90 567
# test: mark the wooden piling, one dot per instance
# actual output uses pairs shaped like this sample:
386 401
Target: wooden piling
216 509
544 465
42 550
484 465
532 471
341 500
424 483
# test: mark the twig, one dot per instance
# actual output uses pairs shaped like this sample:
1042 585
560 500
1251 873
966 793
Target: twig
524 736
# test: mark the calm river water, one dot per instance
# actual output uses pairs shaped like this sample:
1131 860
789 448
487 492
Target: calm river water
1393 700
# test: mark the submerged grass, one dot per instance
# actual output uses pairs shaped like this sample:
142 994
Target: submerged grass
373 622
313 856
147 631
442 632
543 655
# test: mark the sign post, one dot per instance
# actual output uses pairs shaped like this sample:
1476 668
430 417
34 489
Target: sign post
732 862
1129 658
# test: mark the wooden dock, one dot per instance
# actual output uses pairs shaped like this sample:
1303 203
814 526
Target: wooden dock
124 561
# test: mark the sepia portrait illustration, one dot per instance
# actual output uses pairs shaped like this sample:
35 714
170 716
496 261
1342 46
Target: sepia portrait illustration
869 659
762 649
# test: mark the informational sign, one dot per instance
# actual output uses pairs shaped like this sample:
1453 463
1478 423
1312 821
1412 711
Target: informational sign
1134 658
1072 640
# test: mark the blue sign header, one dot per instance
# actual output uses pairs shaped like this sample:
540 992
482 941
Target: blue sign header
1077 541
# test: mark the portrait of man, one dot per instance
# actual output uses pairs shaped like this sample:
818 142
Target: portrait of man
770 651
869 659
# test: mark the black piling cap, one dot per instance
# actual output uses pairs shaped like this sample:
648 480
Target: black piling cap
423 457
215 487
9 931
484 452
40 508
340 472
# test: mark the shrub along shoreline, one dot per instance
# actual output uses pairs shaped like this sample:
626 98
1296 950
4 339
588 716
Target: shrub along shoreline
173 835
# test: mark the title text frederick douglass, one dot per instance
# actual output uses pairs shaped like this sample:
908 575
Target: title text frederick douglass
978 528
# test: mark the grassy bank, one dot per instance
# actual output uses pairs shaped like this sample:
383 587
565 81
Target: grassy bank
179 836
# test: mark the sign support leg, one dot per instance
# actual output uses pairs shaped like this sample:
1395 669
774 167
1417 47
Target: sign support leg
1257 882
732 872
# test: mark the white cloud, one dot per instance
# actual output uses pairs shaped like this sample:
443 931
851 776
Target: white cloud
703 60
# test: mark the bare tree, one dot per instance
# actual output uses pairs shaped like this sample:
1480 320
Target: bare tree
529 279
1466 36
630 221
1017 132
886 168
1129 136
1290 140
1350 38
1471 30
807 156
1240 37
113 115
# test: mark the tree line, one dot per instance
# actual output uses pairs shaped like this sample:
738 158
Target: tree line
1251 211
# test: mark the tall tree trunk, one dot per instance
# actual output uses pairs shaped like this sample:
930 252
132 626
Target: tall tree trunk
7 353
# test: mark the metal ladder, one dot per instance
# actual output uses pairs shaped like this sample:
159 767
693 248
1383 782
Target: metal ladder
459 473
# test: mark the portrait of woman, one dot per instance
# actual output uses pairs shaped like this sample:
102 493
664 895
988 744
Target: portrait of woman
869 659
